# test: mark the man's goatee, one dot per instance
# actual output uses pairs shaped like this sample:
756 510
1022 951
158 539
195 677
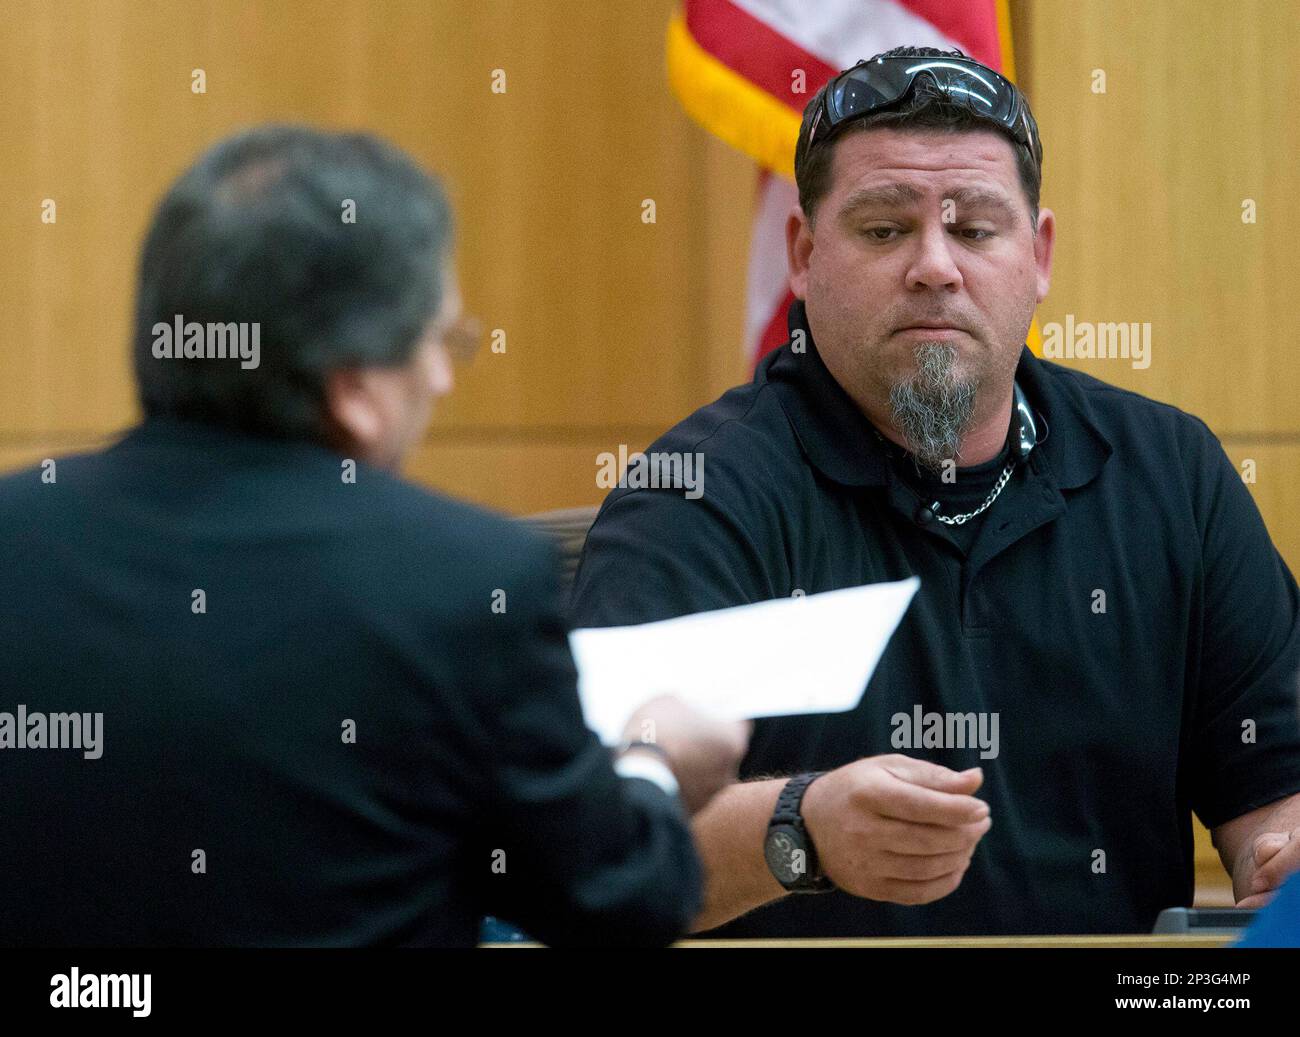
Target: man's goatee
932 410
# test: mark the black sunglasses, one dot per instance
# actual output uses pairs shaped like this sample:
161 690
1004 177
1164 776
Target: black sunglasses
873 86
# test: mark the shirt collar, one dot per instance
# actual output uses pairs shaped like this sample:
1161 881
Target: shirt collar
839 440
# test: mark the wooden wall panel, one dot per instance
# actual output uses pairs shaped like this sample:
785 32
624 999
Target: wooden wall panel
523 476
615 328
1148 179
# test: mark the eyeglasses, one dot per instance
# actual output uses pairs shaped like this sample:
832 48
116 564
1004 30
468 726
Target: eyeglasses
873 86
462 339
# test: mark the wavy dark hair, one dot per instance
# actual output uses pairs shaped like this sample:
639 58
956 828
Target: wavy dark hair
255 231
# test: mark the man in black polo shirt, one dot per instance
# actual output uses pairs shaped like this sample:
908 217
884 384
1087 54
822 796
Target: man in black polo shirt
1105 638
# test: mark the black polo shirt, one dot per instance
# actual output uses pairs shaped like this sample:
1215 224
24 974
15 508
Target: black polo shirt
1121 608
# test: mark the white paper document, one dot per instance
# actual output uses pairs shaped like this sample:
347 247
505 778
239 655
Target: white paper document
810 654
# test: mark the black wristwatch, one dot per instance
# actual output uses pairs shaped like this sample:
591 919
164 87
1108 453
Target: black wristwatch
789 850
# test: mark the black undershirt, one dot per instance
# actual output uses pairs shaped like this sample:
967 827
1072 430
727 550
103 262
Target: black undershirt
968 490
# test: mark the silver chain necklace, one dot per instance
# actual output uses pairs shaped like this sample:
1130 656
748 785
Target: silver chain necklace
957 520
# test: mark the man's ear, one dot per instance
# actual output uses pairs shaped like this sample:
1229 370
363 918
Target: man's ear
798 250
353 409
1044 244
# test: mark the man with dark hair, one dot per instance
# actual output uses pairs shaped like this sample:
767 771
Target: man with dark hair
1104 640
333 246
262 691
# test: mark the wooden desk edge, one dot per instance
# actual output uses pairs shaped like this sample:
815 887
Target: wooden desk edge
903 942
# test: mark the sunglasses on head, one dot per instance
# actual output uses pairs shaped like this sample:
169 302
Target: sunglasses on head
877 85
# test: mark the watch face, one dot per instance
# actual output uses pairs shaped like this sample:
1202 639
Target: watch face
787 857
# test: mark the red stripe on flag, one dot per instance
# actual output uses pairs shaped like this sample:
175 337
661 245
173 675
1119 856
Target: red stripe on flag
777 331
973 27
750 48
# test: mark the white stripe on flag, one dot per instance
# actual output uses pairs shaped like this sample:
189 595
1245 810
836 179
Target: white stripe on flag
842 31
769 274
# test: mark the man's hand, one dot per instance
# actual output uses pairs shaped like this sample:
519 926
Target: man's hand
704 754
894 828
1272 856
1260 849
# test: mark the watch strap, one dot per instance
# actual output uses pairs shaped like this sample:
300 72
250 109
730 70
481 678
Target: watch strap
788 812
791 799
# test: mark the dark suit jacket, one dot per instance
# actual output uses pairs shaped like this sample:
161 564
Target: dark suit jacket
471 786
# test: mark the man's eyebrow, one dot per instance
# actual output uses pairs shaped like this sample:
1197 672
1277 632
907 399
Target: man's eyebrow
884 197
901 195
977 198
